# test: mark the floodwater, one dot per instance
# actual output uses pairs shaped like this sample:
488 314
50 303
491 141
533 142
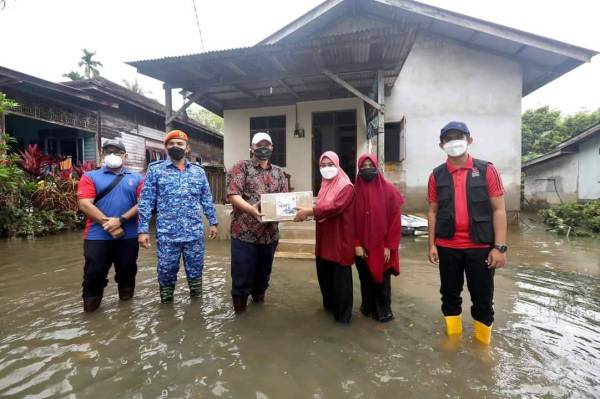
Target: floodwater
546 340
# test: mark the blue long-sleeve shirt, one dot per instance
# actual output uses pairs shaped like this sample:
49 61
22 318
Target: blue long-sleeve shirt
180 198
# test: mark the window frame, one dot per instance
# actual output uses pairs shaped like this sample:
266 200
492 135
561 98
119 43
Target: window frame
401 150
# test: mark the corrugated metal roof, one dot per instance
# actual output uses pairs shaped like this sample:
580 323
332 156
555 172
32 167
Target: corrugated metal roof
544 59
245 74
344 36
358 35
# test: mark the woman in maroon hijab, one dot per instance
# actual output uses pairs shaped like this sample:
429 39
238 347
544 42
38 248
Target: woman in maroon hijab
334 249
377 216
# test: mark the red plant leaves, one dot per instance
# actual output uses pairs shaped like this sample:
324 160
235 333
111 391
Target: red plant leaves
33 160
85 166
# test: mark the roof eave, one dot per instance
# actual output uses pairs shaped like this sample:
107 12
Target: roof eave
491 28
299 22
21 77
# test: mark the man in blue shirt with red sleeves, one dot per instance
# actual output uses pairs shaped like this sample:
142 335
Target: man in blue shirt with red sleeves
180 193
108 197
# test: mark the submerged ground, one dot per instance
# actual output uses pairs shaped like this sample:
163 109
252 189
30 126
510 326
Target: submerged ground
546 340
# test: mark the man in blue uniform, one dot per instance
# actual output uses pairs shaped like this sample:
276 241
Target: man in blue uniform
179 192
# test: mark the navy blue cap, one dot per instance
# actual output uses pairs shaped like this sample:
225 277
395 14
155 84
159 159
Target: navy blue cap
114 143
454 125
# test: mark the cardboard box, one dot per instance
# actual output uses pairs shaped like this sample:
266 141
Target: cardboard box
279 207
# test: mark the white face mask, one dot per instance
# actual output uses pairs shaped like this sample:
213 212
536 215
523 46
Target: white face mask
455 148
113 161
329 172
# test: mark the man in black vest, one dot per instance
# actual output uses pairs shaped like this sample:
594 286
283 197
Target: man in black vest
467 230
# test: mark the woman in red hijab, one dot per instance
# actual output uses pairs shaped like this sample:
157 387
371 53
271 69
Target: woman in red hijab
334 249
377 216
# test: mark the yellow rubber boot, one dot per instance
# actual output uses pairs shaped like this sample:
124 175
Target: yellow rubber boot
482 333
453 325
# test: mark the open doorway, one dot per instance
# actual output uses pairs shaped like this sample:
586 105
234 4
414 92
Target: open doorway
334 131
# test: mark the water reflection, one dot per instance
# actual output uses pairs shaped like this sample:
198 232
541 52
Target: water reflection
546 340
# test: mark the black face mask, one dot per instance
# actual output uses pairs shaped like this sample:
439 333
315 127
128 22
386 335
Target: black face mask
176 153
367 174
263 153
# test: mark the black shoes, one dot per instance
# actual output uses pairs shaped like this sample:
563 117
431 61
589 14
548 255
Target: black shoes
126 293
91 303
240 303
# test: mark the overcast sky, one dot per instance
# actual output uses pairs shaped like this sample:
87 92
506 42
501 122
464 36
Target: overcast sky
44 38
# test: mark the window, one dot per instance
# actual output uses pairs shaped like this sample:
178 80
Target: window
395 142
275 126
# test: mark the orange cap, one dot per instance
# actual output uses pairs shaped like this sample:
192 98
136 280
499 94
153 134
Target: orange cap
176 134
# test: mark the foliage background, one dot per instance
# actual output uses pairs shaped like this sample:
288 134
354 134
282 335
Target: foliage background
544 128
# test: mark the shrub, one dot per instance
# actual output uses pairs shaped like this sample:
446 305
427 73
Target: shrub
56 194
581 218
30 208
33 161
85 166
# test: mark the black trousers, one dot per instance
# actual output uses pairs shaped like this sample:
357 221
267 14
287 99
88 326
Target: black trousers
335 282
454 265
251 266
376 298
100 255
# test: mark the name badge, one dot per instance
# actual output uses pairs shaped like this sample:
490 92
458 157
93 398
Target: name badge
475 172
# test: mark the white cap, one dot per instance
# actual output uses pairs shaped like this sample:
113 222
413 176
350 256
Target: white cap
260 136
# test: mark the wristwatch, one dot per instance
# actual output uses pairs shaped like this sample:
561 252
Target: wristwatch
502 248
122 220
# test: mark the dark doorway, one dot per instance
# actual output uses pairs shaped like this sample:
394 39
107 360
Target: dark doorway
334 131
63 142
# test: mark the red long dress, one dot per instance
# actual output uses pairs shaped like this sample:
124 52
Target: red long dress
377 221
335 229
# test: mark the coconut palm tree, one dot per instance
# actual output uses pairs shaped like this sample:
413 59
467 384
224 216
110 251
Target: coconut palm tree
135 86
74 75
90 65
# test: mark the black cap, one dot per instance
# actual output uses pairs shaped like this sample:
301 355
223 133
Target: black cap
114 143
455 125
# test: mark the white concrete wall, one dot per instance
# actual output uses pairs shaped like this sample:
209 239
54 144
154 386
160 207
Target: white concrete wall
299 150
442 81
589 169
539 191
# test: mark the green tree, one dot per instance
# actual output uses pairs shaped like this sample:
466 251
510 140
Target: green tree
537 130
205 117
89 64
74 75
544 128
574 124
135 87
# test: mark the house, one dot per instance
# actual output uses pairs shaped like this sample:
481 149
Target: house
569 173
380 75
139 122
58 118
74 119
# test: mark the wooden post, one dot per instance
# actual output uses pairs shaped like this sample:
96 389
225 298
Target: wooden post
168 107
181 111
98 137
353 90
381 120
